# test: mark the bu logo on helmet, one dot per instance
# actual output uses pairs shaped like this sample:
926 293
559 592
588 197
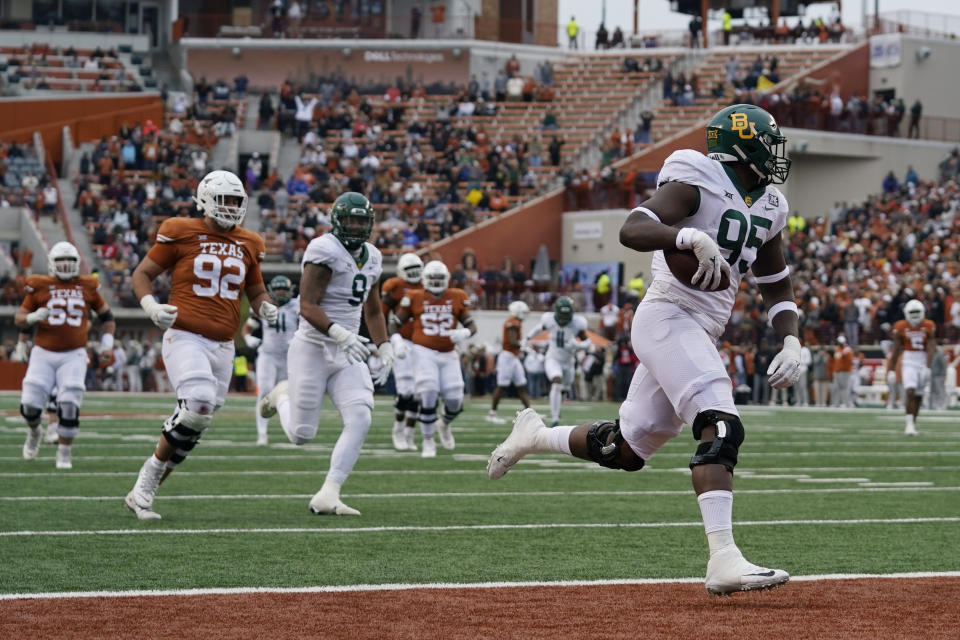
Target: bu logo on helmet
740 123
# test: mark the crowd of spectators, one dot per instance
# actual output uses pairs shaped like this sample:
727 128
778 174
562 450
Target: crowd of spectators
41 66
24 181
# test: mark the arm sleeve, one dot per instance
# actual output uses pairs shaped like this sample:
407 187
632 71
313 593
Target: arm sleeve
320 252
164 252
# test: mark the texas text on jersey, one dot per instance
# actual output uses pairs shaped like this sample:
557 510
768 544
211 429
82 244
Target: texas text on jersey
70 303
434 317
211 268
394 290
915 338
511 324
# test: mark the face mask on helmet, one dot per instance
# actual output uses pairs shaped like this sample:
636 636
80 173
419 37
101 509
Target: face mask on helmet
410 268
913 312
436 278
63 261
221 196
352 220
563 311
518 309
280 296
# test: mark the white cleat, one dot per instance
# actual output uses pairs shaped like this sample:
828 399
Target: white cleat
910 430
142 512
728 572
268 403
52 436
32 444
495 419
262 441
322 505
408 439
446 435
429 448
399 439
519 443
63 459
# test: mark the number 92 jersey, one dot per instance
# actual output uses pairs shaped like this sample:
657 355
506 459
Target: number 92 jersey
70 303
210 269
740 222
350 282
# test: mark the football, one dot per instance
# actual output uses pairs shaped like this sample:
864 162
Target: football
683 264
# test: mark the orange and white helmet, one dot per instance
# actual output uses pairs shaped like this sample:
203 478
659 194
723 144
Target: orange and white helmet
221 196
63 261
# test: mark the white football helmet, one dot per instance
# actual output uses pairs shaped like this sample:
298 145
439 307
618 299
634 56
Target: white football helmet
63 261
410 268
212 194
914 312
436 277
518 309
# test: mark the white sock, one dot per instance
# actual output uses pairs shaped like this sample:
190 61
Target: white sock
492 412
156 464
910 421
427 429
556 399
716 509
558 439
397 426
63 449
262 425
283 412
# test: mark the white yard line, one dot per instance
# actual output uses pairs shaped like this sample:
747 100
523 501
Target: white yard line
226 591
466 527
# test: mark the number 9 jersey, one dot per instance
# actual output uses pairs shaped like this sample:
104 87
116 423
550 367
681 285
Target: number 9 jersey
740 223
210 269
350 282
70 303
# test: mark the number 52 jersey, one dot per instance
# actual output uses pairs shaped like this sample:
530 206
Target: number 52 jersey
350 282
210 270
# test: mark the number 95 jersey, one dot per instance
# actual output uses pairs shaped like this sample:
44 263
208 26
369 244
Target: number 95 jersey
740 222
70 303
210 270
350 282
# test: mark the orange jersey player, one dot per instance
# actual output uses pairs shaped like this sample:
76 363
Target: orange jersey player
510 369
212 261
59 305
914 344
436 309
406 406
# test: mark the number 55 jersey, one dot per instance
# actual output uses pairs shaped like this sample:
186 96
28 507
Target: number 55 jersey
210 270
740 222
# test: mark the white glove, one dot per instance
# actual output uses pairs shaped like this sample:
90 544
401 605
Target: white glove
39 315
19 352
784 371
712 264
400 348
251 341
268 312
162 315
106 343
353 346
381 364
582 345
459 335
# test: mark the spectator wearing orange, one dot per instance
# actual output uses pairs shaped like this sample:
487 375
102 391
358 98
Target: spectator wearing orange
842 370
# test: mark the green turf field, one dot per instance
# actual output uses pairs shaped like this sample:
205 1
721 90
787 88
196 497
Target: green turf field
818 492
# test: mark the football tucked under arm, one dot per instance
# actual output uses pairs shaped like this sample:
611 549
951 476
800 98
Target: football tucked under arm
683 264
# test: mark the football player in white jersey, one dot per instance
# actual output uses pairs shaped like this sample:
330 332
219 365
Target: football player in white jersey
568 333
725 208
341 273
273 343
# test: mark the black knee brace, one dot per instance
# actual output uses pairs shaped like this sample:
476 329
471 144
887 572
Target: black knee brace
428 415
448 415
31 414
68 416
722 450
404 404
604 443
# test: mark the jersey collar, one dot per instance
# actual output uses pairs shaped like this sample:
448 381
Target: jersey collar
750 198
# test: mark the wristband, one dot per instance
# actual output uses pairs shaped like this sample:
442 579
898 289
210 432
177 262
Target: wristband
786 305
106 341
685 238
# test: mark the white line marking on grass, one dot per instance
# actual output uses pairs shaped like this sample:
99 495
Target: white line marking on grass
814 480
228 591
878 487
467 527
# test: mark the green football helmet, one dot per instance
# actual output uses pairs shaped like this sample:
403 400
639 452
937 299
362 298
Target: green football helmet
352 218
563 310
280 290
746 133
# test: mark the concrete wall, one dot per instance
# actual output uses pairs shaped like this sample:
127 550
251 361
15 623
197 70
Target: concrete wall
594 236
830 167
932 79
16 224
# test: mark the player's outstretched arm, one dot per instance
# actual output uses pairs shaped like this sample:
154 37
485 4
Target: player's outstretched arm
650 226
773 280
